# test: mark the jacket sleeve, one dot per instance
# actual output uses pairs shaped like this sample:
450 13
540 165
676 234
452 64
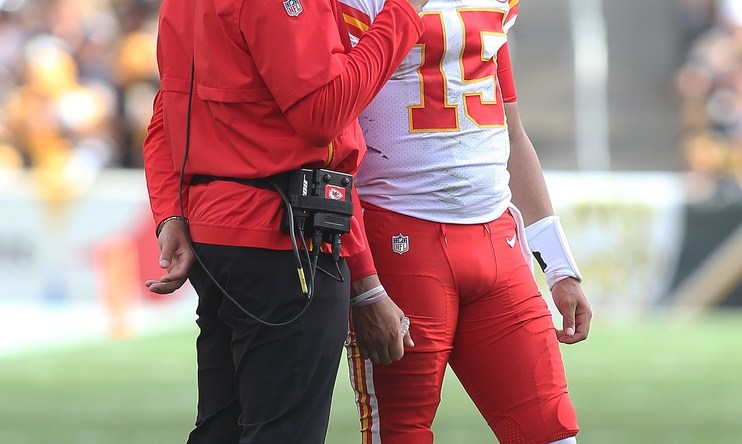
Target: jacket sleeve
159 168
321 100
323 113
360 264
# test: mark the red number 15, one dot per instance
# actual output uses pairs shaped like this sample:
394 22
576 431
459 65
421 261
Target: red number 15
435 113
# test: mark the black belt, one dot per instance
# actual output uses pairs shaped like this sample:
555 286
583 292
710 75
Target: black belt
267 183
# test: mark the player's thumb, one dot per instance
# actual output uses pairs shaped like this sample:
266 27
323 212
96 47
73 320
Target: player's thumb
407 340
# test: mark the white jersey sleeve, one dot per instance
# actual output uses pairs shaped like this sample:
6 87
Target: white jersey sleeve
437 138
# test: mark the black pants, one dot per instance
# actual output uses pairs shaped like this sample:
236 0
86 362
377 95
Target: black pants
262 384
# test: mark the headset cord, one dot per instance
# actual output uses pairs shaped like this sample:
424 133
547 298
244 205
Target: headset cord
339 277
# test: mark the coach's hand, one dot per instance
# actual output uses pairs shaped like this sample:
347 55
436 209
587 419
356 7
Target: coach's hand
378 331
176 257
572 303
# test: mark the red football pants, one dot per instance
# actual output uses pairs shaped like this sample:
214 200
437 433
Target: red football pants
474 304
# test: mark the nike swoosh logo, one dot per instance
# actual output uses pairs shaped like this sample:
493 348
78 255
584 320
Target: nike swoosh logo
511 241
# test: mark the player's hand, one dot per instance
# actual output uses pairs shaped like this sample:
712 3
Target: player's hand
176 257
378 331
572 303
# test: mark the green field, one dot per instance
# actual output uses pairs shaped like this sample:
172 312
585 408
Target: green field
664 381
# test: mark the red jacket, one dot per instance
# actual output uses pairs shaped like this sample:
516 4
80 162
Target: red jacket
274 91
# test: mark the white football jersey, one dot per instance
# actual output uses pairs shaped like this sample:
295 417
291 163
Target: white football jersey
436 133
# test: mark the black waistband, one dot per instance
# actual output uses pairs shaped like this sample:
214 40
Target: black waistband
268 183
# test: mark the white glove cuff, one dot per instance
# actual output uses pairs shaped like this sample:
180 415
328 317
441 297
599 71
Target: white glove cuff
550 248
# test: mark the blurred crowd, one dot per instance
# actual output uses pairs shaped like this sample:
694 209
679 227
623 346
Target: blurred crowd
77 78
709 84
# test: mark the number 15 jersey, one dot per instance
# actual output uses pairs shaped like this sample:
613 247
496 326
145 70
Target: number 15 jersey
436 133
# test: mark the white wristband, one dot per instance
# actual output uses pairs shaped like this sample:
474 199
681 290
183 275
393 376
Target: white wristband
369 297
550 248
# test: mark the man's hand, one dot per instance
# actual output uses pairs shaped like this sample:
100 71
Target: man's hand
176 257
378 328
575 309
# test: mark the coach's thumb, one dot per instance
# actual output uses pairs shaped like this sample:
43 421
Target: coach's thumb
166 256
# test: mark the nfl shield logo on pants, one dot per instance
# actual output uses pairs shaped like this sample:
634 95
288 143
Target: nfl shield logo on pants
293 7
400 244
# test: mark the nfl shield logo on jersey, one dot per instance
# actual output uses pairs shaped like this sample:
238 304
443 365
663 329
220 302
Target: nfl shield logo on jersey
400 243
293 7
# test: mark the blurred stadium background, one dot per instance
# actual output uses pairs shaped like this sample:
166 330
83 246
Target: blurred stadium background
635 110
